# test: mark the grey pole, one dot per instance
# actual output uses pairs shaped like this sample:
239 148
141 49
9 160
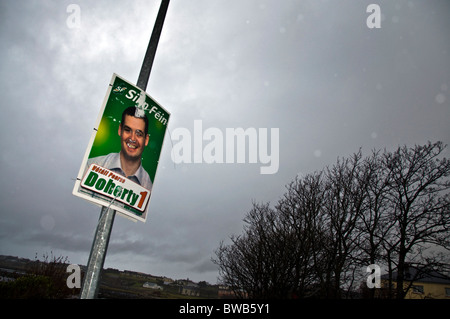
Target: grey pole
152 45
97 256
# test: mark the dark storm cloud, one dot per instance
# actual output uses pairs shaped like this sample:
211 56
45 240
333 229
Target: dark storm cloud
313 69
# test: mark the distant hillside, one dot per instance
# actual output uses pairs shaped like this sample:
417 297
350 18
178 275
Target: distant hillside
119 284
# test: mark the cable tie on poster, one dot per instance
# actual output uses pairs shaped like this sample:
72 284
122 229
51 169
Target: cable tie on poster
140 105
112 201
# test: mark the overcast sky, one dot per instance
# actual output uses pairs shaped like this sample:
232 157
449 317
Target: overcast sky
313 69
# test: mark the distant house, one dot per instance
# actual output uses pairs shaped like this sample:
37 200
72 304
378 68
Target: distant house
190 291
167 281
152 285
187 282
426 285
6 279
225 292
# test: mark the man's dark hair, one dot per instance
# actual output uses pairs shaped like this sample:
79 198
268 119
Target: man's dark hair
132 111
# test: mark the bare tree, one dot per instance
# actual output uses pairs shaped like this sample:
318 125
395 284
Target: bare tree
419 204
375 223
344 206
251 266
390 208
300 212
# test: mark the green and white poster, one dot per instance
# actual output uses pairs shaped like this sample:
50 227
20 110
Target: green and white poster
120 163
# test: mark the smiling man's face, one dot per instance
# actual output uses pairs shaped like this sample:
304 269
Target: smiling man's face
133 137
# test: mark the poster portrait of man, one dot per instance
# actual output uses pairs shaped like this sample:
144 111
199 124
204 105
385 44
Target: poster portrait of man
133 140
126 142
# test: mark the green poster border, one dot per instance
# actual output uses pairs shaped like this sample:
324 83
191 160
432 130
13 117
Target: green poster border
105 139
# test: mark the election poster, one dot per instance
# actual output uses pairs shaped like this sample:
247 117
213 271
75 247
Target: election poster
119 166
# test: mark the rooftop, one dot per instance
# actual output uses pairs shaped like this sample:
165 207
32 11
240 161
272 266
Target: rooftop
421 275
